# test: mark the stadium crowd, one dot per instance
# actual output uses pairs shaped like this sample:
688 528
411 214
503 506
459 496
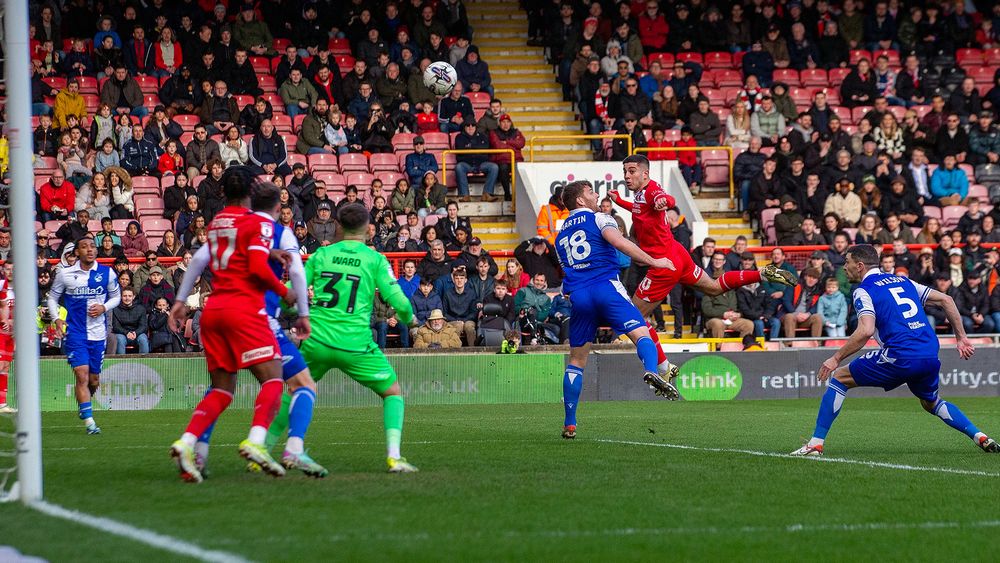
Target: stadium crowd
852 122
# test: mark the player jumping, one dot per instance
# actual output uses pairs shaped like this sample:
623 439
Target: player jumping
888 309
234 327
344 277
654 236
89 292
6 335
586 247
297 404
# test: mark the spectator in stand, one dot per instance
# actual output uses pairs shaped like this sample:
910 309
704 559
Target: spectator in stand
169 55
420 162
903 203
155 287
138 54
984 141
170 162
299 94
182 92
758 62
139 156
122 194
46 137
753 302
973 303
655 80
705 124
859 87
69 102
360 105
416 90
469 138
801 306
291 61
251 33
401 241
653 28
134 241
106 249
210 194
424 300
965 101
219 112
267 152
122 93
377 133
633 101
242 78
952 139
454 110
200 151
949 184
334 133
307 243
253 115
435 263
737 132
437 333
73 230
234 149
809 235
431 196
721 312
832 306
474 73
538 256
506 137
57 197
514 275
323 227
460 305
802 51
175 197
788 223
844 203
385 322
391 87
129 324
766 190
448 226
630 126
894 229
403 198
767 122
159 129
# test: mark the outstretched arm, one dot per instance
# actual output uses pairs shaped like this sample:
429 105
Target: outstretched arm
613 236
619 200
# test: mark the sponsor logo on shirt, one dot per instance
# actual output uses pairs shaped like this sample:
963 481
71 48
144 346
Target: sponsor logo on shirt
257 353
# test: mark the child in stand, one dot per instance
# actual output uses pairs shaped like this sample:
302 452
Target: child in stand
688 160
107 157
170 162
659 140
832 306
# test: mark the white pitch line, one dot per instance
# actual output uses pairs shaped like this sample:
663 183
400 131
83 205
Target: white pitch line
148 537
662 532
879 464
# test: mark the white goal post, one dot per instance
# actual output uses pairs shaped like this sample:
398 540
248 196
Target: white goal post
28 432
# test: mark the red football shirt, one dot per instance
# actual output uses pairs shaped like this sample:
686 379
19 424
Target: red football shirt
234 235
652 231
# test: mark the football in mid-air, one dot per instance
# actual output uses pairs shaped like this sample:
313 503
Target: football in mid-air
440 78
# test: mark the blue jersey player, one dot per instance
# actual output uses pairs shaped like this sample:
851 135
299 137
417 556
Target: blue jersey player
89 291
586 247
297 404
890 308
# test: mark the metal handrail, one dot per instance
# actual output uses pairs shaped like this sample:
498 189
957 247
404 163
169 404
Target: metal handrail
574 136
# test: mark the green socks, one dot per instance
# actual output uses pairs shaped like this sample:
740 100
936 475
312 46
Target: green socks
280 423
392 414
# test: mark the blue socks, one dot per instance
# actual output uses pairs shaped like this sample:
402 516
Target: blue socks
572 386
646 349
86 410
829 408
301 412
954 417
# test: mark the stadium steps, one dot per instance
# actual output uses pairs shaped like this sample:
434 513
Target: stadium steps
725 227
524 80
496 233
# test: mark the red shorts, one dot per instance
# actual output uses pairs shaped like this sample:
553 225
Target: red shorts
6 347
235 340
658 282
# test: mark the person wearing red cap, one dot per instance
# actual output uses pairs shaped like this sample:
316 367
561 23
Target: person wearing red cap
506 137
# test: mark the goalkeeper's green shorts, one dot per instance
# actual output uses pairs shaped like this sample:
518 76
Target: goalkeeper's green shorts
368 367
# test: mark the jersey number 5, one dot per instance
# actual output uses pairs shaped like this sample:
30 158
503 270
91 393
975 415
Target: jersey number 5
911 307
331 290
576 246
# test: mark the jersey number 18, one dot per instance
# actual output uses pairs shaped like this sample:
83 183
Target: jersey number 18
576 246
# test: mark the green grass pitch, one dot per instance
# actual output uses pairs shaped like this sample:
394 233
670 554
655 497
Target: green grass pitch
497 483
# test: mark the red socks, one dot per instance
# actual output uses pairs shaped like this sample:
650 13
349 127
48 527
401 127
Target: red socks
208 411
267 403
660 356
3 388
739 278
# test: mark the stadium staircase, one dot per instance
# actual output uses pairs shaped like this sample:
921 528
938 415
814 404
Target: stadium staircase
524 80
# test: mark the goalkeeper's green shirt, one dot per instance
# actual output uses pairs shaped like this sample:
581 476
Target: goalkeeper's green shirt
344 277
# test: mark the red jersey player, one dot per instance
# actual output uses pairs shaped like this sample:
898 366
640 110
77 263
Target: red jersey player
654 236
234 326
6 335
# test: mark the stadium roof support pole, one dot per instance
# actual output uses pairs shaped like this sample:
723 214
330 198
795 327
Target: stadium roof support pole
22 214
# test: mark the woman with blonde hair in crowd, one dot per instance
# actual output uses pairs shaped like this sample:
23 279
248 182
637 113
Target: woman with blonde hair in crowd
931 233
889 137
868 228
738 127
122 194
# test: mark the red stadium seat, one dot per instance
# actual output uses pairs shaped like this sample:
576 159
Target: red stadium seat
891 54
436 141
282 124
92 102
389 178
481 98
969 57
296 158
716 97
666 59
991 56
859 112
382 162
339 46
323 162
789 76
932 211
353 162
261 65
88 84
267 83
837 75
814 77
57 82
243 100
950 216
718 60
981 74
359 179
187 121
858 54
280 43
690 57
727 78
345 62
148 84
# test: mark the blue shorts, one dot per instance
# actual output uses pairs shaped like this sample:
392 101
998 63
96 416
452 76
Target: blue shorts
604 303
85 353
291 359
920 374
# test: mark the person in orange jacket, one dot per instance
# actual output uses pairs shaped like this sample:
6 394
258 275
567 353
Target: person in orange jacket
551 217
